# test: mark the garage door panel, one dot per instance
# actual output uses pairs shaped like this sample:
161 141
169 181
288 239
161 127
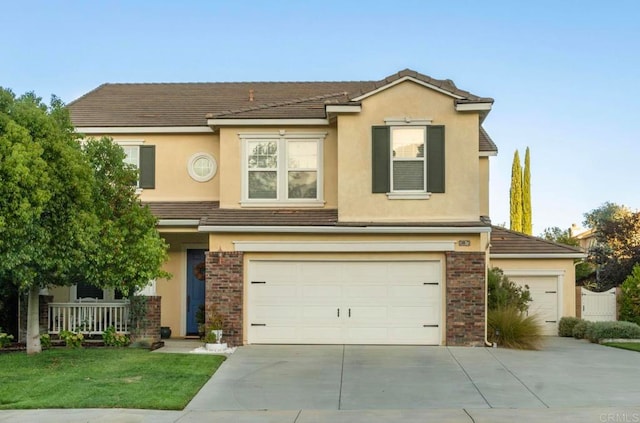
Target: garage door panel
389 302
270 313
419 314
310 292
366 291
270 291
544 304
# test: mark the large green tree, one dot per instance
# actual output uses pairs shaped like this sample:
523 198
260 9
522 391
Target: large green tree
515 194
129 252
67 214
46 220
527 225
618 248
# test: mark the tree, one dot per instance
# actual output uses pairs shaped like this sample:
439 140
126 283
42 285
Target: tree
67 215
516 194
46 219
630 299
527 226
605 213
555 234
129 252
560 236
618 247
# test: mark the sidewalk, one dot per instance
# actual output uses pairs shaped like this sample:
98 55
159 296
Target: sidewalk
568 415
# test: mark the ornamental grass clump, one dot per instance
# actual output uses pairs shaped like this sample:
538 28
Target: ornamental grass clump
509 327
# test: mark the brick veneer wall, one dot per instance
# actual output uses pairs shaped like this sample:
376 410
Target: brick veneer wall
465 298
152 320
224 291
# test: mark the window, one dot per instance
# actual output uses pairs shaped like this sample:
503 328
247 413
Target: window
407 155
143 158
283 168
408 161
202 167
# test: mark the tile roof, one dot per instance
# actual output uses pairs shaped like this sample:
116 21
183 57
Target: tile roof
505 241
486 143
271 217
181 209
189 104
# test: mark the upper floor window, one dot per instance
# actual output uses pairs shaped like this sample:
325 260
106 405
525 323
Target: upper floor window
282 168
408 161
143 158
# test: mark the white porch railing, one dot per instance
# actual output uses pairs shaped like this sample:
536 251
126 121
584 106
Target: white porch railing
88 318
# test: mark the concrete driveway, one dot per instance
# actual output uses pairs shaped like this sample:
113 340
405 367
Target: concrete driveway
567 373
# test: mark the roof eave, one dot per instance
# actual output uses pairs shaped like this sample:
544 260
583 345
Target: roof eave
570 255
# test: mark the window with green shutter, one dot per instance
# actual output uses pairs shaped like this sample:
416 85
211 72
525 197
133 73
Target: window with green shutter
408 159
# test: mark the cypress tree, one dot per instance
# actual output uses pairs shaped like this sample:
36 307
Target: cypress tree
527 226
515 194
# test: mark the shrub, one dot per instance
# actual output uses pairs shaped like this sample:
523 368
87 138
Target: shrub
630 297
5 339
503 293
45 341
510 328
608 330
581 328
112 338
72 339
566 325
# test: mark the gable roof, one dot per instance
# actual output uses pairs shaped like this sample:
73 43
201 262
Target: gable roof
486 143
190 104
505 243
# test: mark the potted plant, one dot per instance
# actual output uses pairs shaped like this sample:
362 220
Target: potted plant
210 340
216 323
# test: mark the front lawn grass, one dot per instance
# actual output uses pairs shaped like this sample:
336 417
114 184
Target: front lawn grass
633 346
103 378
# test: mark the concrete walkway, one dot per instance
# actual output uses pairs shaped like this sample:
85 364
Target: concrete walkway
569 381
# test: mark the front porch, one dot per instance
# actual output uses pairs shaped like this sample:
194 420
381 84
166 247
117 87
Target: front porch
91 317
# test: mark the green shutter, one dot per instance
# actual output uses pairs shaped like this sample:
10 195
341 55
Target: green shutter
435 159
380 159
148 166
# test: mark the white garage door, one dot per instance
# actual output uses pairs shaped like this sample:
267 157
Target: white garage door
544 292
344 302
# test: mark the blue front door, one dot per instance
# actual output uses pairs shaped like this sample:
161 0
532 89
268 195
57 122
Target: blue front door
195 287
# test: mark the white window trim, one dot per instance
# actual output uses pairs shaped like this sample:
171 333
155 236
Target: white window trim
281 137
133 142
408 194
192 171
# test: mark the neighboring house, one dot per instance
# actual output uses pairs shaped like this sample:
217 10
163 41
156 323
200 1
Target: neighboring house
328 212
586 237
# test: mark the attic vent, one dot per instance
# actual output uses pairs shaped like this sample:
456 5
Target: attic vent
251 95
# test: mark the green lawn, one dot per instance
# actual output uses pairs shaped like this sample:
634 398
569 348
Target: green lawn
633 346
103 378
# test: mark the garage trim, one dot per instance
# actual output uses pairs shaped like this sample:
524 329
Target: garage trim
344 246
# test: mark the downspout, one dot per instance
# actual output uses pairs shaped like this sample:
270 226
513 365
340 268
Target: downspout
486 296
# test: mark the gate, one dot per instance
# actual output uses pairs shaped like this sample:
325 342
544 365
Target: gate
598 306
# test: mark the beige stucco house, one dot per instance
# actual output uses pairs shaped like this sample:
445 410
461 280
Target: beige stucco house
324 212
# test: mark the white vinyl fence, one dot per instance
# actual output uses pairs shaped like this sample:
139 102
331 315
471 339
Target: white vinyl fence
598 306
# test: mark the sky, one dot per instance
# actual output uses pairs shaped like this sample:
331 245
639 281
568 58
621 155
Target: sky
565 75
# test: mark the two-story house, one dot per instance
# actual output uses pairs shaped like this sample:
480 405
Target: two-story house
324 212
